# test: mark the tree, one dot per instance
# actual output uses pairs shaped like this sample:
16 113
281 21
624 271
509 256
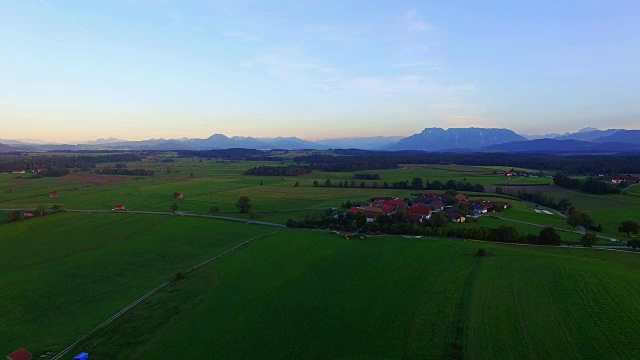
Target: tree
439 220
56 208
173 207
564 205
588 240
548 236
416 183
628 227
362 184
244 204
13 215
41 210
175 194
296 184
316 183
327 183
168 170
214 210
261 182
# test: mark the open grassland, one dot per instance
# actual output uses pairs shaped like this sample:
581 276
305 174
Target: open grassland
540 303
63 274
306 294
209 182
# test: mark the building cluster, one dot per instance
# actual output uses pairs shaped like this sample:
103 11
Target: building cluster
525 174
629 178
456 208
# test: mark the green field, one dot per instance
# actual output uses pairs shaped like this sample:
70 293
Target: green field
305 294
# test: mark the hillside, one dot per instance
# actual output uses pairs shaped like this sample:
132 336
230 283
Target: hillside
623 136
561 146
434 139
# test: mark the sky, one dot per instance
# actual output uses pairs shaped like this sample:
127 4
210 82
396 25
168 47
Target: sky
77 70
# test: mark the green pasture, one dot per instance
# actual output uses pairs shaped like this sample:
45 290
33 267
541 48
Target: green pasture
307 294
63 274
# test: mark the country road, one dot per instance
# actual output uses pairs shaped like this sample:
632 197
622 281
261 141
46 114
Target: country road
166 213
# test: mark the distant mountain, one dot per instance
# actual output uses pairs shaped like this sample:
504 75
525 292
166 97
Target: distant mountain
623 136
364 143
6 148
544 136
587 134
562 146
101 141
436 139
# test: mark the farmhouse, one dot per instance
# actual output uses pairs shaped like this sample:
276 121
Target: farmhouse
20 354
617 180
28 213
180 196
119 207
53 195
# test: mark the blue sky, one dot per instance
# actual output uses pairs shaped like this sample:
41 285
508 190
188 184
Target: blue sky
137 69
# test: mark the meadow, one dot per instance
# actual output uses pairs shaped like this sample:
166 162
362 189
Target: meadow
306 294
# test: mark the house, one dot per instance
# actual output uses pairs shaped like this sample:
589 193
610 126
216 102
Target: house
462 199
53 195
81 356
28 213
180 196
436 205
119 207
455 215
41 169
418 213
372 212
617 180
20 354
478 208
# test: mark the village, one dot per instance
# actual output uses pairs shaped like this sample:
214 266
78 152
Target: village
455 207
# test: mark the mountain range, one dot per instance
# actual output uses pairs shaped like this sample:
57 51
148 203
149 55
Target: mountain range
588 140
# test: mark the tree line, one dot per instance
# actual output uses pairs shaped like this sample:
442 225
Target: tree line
291 170
589 185
437 225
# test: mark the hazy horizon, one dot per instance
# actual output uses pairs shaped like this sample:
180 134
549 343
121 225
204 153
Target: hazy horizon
77 71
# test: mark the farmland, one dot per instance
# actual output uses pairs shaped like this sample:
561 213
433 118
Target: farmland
296 291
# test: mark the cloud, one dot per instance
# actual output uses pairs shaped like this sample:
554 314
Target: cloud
414 24
289 63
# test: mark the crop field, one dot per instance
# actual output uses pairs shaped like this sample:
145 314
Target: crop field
292 293
64 273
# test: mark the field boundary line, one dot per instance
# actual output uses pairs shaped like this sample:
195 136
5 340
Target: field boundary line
152 292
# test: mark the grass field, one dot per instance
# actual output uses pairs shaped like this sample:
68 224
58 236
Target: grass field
61 274
306 294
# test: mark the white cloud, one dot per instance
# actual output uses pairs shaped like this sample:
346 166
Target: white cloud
415 24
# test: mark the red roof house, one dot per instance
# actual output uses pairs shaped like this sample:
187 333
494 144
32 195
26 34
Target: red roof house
53 195
119 207
40 169
20 354
28 213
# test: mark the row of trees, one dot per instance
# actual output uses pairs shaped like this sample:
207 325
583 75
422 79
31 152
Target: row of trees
437 225
415 184
590 185
40 210
291 170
